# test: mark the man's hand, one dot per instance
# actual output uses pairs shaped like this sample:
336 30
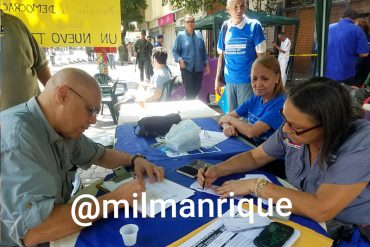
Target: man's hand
218 86
208 69
142 167
182 64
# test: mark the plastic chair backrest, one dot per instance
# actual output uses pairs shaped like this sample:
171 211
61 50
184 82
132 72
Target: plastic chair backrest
102 79
167 89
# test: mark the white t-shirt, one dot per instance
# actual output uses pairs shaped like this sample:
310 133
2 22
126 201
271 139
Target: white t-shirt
285 46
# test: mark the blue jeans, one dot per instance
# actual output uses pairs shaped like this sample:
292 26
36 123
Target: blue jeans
237 94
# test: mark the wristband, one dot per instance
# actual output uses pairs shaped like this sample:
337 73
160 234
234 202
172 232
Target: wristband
132 163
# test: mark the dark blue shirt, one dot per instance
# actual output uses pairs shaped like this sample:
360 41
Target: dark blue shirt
254 110
345 42
191 49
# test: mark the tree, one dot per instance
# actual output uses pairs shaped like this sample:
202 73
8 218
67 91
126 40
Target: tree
193 6
131 11
270 5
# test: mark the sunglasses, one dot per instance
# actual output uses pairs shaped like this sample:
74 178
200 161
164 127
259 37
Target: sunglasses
295 132
92 110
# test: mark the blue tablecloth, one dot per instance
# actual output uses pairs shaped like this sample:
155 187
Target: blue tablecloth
163 231
128 142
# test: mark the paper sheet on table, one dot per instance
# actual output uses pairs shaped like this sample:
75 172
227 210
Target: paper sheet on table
161 146
164 190
216 234
195 186
211 138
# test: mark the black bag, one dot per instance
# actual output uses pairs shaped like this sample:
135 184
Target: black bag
222 72
156 125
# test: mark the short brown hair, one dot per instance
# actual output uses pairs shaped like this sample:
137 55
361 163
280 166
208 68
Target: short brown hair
271 63
160 54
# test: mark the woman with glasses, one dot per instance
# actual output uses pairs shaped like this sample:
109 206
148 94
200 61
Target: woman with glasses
326 148
259 116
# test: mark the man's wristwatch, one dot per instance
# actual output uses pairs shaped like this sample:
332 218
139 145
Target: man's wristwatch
131 167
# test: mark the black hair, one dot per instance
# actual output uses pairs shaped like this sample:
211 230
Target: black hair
160 54
329 105
349 13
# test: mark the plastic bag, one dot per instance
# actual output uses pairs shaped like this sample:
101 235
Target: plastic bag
183 137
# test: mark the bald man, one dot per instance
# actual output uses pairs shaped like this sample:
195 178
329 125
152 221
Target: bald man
42 140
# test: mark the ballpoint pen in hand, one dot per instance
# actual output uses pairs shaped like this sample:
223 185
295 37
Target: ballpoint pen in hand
204 181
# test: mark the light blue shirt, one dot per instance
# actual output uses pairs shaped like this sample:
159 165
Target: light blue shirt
351 166
191 49
240 49
36 169
160 77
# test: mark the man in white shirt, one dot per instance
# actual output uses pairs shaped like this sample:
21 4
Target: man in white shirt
284 51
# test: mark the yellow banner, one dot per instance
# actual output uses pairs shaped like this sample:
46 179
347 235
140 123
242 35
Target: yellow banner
54 23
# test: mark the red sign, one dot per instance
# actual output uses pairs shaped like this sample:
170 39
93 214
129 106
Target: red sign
166 19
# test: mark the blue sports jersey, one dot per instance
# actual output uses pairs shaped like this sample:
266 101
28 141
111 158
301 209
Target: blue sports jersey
255 110
240 49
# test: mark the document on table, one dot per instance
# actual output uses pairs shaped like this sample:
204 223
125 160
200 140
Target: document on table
211 138
164 190
219 234
195 186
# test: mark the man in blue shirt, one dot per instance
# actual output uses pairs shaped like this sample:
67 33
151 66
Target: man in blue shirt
41 143
346 43
242 42
190 52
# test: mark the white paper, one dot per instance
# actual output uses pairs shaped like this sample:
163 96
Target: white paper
216 234
164 190
211 138
195 186
237 223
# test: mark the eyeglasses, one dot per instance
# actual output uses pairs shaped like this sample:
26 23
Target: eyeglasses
190 21
92 110
295 132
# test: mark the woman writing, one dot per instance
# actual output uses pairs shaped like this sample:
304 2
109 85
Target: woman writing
327 156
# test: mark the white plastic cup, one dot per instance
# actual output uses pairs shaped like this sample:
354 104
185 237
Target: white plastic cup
129 234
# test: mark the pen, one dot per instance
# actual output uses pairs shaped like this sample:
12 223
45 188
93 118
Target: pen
204 181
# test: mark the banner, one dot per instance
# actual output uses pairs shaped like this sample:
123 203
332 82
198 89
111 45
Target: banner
69 22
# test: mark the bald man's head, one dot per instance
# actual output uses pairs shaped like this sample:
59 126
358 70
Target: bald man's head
70 101
73 76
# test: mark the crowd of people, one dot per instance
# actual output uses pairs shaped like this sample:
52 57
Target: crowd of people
313 128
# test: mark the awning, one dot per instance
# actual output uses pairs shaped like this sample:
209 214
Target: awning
216 19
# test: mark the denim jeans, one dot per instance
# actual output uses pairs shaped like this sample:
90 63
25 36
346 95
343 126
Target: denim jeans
237 94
